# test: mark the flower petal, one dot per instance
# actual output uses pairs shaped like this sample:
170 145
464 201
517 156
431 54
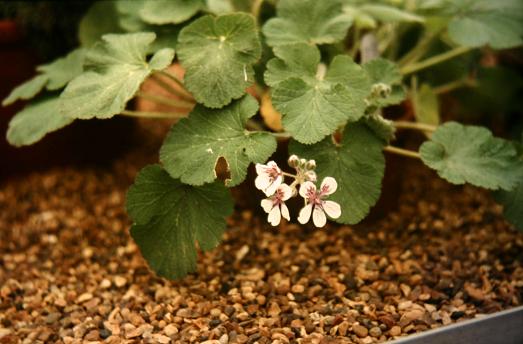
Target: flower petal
286 190
271 189
305 214
274 216
285 212
260 169
305 187
262 182
272 164
332 209
328 186
318 217
267 205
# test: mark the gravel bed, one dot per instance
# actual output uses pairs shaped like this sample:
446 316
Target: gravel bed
70 273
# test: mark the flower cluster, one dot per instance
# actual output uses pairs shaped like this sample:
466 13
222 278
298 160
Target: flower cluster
271 180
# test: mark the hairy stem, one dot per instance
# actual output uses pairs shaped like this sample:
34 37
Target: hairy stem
420 49
256 7
414 126
166 101
176 80
160 82
454 85
356 38
156 115
434 60
403 152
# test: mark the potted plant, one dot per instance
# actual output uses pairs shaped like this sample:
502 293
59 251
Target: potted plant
319 73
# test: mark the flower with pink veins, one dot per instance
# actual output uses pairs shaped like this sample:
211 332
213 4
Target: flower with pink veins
316 205
275 205
269 177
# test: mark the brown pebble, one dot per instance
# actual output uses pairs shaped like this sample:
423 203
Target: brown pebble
360 331
170 330
375 331
395 331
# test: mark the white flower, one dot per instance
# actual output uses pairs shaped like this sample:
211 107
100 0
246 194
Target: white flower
275 205
269 177
316 205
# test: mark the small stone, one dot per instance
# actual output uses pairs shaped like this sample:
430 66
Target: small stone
84 297
92 335
120 281
404 305
170 330
160 338
274 310
360 331
298 288
343 327
375 332
395 331
105 284
4 332
410 316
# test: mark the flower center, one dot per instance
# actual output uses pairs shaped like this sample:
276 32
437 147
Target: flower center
272 173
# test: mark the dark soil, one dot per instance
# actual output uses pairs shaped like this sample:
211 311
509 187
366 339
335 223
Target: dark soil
70 273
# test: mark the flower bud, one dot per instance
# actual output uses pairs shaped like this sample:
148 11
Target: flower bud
311 176
311 165
293 160
303 162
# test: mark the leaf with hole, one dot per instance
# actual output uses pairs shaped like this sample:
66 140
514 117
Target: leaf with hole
194 145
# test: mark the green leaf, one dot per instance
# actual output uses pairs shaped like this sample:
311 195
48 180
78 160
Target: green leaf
170 217
366 16
218 54
426 105
314 101
35 121
512 201
471 154
194 145
118 67
52 76
307 21
130 19
100 19
384 72
219 6
160 12
481 22
357 164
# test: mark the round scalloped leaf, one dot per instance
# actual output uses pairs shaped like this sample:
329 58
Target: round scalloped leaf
313 100
307 21
170 217
357 164
35 121
117 69
160 12
496 23
51 76
217 54
469 154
